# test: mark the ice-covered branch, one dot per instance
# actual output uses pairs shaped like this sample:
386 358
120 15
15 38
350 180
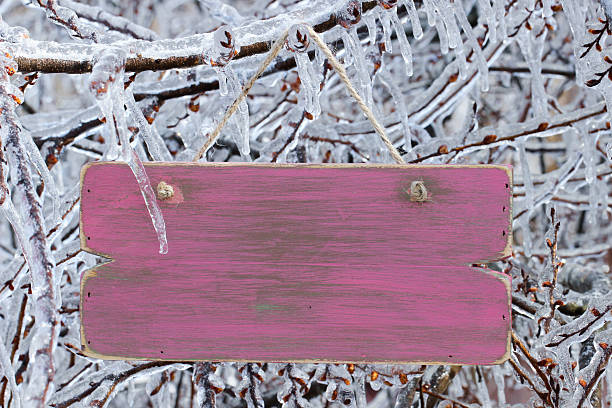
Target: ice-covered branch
111 21
207 384
254 38
37 251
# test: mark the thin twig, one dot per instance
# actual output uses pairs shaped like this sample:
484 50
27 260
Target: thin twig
425 390
533 362
543 396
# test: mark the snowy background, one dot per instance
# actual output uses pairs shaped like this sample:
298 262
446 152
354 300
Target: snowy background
521 82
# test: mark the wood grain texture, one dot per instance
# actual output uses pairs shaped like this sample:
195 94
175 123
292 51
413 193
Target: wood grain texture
298 263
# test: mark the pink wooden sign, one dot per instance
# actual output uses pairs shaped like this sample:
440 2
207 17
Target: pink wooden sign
298 263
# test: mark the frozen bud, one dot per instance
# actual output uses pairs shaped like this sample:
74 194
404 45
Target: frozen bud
15 94
4 192
224 47
298 40
350 15
8 64
107 68
8 67
387 4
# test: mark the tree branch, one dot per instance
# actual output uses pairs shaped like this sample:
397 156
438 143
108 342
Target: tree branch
147 59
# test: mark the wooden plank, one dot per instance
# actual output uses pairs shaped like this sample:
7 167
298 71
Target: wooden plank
298 263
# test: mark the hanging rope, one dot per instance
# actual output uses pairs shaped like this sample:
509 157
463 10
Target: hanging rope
338 67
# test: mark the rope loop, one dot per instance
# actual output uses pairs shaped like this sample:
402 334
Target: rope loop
338 67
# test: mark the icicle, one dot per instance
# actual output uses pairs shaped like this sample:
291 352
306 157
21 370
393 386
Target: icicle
149 133
500 10
532 47
298 42
370 20
431 12
129 155
443 37
488 15
461 62
590 172
526 173
403 41
106 82
149 197
529 198
605 88
400 106
385 21
361 66
320 58
353 46
442 34
110 136
417 30
481 62
348 17
241 117
445 14
223 50
37 160
308 84
222 80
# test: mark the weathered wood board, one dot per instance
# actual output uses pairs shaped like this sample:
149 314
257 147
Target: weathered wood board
298 263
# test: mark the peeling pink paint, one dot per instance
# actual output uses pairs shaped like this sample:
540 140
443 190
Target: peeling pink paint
299 263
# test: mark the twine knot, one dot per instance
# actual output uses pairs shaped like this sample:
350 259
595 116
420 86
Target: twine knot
418 192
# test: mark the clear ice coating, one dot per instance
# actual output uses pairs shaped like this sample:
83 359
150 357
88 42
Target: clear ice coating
403 42
106 83
223 51
155 144
298 42
417 30
353 48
